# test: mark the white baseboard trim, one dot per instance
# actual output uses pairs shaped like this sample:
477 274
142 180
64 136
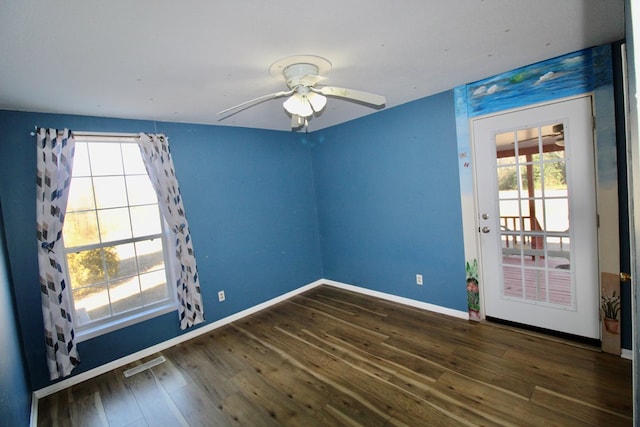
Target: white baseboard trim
626 354
77 379
401 300
33 419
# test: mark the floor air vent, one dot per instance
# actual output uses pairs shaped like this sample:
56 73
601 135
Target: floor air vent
146 365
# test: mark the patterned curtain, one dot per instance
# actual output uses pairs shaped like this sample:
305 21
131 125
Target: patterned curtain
159 164
55 163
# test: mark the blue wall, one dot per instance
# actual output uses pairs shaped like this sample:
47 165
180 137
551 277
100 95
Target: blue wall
15 394
251 208
371 202
388 197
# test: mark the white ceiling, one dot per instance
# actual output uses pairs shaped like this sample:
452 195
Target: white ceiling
184 61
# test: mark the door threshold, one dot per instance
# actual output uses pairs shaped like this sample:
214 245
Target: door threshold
567 338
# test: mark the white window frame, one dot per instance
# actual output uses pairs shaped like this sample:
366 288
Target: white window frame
123 320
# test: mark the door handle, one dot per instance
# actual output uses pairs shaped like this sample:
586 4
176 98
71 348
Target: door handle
625 277
486 229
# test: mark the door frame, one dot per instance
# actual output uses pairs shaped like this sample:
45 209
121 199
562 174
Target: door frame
472 141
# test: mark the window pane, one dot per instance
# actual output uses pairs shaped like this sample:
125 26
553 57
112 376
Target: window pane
110 192
125 295
105 159
140 190
145 220
150 256
121 261
91 304
132 159
81 160
154 287
80 195
80 228
114 224
111 199
86 268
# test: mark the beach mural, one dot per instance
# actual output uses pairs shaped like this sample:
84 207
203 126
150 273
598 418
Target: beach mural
585 71
552 79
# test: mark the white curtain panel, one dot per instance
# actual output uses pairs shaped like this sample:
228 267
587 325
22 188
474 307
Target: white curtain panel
55 164
159 164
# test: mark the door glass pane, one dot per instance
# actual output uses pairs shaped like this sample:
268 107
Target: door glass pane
534 215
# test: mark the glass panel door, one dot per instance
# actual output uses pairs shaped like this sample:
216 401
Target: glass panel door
533 205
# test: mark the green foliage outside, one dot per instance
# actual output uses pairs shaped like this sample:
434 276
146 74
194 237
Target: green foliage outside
554 174
88 267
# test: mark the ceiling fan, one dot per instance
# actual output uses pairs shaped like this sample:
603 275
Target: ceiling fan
301 74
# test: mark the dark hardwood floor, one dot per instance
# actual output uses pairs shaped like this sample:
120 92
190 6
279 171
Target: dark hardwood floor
331 357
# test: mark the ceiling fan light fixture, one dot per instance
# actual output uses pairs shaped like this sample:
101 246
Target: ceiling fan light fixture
297 121
317 101
298 105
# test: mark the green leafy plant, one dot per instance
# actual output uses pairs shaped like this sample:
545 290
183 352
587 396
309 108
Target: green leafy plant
473 290
473 294
610 305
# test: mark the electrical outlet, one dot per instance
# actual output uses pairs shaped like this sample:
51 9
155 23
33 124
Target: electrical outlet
221 296
419 279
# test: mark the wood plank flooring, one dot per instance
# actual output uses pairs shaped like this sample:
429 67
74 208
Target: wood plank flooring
331 357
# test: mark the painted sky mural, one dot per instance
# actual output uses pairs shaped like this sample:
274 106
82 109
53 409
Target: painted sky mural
568 75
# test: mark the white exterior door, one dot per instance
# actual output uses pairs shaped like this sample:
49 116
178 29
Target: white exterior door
535 179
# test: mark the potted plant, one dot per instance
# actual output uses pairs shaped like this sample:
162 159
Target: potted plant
473 290
610 306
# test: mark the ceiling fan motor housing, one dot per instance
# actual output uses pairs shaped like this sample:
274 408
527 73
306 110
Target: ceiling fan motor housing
294 73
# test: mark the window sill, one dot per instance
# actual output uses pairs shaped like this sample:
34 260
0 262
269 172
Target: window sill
92 331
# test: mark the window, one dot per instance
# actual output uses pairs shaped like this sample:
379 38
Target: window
114 239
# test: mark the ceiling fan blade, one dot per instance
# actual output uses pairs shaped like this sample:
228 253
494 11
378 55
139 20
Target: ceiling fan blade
311 79
252 102
356 95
